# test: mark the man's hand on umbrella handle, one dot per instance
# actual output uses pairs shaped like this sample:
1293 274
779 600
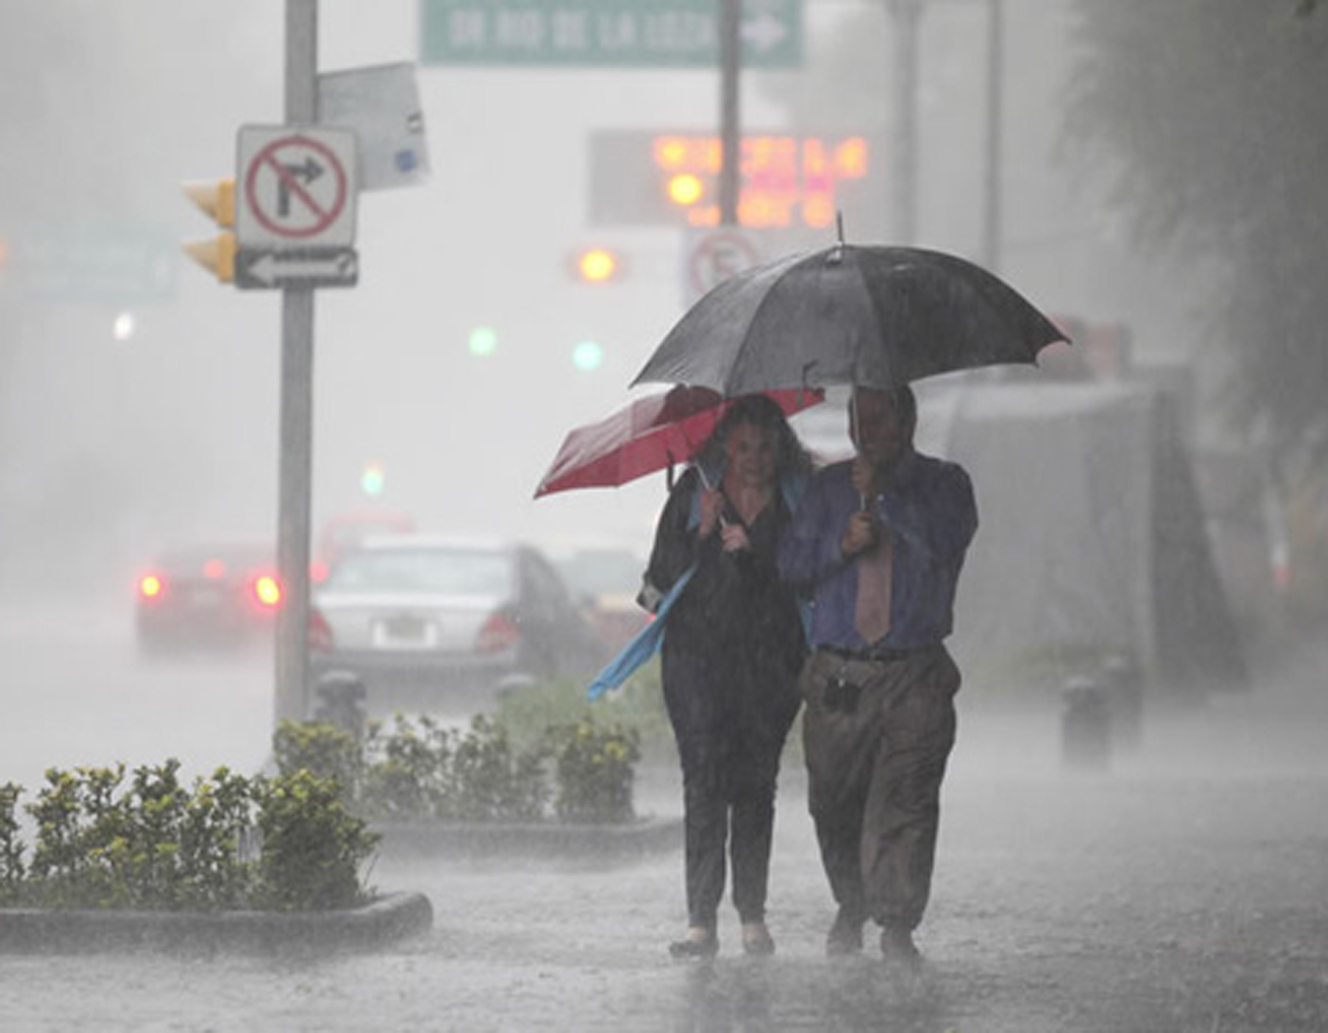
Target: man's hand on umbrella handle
860 535
712 509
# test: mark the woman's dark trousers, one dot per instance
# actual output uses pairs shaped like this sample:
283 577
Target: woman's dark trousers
730 761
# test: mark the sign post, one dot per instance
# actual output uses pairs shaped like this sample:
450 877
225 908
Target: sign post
294 487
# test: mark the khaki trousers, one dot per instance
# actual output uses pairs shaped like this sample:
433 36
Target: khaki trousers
877 735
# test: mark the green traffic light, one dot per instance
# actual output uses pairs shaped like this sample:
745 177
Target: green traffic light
371 481
587 355
483 341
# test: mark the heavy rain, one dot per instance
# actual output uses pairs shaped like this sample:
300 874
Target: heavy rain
1132 834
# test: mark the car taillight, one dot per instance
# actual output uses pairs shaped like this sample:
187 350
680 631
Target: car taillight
267 591
151 586
320 633
500 632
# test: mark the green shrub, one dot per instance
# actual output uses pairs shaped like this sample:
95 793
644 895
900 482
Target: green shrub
81 852
312 847
594 771
286 843
324 749
494 782
419 770
407 772
216 835
11 846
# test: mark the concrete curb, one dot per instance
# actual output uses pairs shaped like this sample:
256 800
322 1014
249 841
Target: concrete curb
391 917
553 841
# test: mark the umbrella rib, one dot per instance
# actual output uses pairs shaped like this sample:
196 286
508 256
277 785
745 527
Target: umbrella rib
763 301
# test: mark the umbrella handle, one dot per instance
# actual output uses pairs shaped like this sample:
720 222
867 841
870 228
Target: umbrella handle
708 487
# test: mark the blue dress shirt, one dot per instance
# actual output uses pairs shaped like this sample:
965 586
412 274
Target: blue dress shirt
930 511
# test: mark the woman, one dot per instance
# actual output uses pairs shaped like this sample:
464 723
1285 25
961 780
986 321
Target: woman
730 658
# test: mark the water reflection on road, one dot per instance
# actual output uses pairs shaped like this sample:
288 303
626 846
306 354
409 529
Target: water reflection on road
1182 889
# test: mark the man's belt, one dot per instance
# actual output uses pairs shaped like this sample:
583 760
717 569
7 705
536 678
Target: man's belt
878 654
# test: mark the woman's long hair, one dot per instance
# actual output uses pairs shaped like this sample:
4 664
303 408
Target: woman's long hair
757 411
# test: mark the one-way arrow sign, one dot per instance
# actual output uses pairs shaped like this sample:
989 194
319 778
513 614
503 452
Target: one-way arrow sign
257 269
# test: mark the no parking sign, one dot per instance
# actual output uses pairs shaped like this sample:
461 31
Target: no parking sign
711 256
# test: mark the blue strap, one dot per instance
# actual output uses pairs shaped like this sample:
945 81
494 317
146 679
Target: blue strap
643 645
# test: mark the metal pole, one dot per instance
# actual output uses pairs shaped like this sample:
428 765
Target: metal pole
907 14
991 235
730 64
295 461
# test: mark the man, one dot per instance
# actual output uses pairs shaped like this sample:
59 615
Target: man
878 543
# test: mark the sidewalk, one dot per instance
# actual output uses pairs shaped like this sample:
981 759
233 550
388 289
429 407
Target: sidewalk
1184 889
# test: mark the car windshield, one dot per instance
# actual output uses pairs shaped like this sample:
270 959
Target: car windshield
441 571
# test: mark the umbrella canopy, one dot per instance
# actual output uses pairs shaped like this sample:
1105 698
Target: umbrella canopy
648 435
865 316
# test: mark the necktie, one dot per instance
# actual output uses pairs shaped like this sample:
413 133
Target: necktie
875 571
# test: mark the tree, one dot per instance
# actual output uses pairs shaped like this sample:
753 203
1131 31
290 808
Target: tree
1204 121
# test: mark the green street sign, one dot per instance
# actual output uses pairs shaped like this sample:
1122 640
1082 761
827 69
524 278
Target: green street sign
605 33
120 263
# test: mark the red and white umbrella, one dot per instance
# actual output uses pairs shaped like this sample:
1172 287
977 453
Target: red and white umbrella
649 434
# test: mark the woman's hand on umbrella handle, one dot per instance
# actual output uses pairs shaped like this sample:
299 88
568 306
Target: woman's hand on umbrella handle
734 537
712 509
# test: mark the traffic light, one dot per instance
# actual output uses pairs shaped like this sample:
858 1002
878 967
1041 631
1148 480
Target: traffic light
372 480
124 327
597 265
217 254
587 356
482 341
685 189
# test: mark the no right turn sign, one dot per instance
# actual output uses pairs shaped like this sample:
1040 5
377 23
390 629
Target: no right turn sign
296 188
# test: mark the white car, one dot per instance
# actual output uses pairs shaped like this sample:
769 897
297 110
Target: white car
443 623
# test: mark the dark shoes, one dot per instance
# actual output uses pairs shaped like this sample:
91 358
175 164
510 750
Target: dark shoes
898 949
695 946
757 941
845 936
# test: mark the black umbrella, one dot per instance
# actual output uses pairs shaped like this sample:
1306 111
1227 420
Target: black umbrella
866 316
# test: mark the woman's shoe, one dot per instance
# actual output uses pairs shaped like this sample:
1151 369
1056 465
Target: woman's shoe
756 940
700 943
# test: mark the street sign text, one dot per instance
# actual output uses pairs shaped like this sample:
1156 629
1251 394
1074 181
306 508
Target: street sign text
624 33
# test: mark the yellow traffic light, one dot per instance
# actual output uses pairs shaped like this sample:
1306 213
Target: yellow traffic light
216 199
217 255
685 189
597 265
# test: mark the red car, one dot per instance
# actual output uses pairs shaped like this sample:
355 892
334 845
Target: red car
207 597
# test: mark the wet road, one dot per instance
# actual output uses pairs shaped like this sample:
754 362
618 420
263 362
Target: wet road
1185 889
76 691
